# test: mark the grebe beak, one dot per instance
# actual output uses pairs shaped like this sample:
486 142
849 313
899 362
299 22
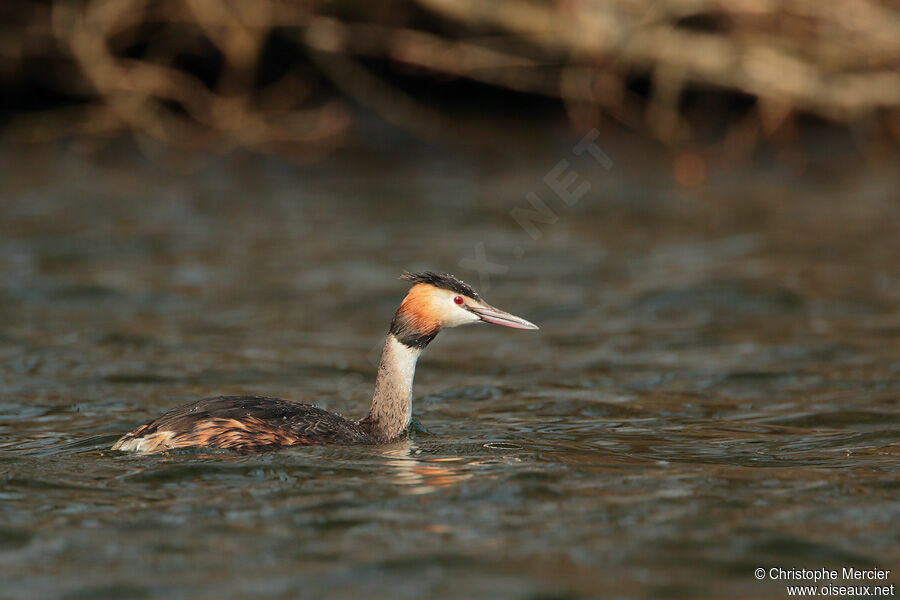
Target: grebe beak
489 314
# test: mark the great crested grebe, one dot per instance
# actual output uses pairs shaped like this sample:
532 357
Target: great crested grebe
255 423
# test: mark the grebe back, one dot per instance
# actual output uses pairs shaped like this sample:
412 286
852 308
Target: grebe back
255 423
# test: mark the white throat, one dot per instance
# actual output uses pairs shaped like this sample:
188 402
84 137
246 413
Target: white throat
391 410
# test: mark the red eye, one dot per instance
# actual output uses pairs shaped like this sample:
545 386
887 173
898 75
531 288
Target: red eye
458 300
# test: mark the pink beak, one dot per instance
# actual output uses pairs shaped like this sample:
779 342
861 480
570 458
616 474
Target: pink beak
489 314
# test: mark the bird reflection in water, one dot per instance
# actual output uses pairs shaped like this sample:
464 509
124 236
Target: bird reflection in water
421 475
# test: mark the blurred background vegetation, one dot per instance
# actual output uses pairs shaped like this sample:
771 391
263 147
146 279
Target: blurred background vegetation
295 77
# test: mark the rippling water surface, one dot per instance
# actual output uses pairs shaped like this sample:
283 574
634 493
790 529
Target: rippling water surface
714 387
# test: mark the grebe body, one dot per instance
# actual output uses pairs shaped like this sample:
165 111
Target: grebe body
256 423
244 423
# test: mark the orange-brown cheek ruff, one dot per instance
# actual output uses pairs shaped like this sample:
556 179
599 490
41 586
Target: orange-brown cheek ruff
418 321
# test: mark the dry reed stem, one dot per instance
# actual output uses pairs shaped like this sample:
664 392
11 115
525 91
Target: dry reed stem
838 59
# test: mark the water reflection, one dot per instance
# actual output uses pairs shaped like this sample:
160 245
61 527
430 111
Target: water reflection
418 474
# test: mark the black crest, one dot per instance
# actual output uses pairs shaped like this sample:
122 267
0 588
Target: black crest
444 281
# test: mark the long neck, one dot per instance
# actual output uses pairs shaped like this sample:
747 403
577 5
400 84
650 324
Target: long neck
391 409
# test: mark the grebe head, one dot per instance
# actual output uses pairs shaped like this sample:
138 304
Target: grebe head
436 301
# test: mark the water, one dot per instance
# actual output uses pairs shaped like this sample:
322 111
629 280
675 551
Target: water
714 387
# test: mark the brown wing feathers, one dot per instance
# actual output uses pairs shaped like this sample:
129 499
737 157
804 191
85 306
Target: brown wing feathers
242 423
